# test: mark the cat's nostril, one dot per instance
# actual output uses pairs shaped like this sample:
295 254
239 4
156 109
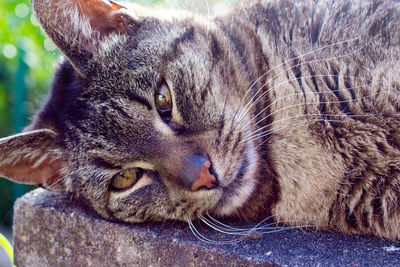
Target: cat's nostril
204 178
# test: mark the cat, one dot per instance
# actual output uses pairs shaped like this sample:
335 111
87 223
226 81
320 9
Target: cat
279 109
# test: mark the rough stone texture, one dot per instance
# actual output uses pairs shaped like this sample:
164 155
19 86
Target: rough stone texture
52 230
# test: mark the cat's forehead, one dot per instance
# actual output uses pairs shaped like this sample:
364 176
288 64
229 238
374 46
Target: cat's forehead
158 43
178 50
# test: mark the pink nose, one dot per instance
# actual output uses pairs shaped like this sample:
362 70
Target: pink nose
204 178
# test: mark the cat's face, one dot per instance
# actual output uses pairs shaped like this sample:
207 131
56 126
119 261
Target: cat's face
143 121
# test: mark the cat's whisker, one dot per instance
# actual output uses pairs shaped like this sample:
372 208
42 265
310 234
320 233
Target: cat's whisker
304 115
230 227
315 93
261 130
246 108
290 60
253 102
208 17
224 231
321 119
270 132
216 222
202 238
220 227
298 116
259 228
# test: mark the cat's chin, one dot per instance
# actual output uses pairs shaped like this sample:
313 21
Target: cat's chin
238 192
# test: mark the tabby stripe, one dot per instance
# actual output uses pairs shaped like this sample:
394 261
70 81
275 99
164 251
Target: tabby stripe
322 101
221 127
296 68
358 206
174 52
379 187
117 108
350 218
215 48
335 88
334 209
316 26
348 86
238 50
354 175
204 93
238 139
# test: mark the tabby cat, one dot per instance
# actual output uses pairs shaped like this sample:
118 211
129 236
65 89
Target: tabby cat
278 109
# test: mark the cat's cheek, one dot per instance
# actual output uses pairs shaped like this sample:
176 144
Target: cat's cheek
230 204
241 188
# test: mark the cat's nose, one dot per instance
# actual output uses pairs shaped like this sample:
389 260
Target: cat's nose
197 173
204 178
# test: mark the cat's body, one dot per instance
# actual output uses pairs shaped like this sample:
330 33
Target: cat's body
280 109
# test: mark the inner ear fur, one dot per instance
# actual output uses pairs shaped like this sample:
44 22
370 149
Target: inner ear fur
103 15
31 158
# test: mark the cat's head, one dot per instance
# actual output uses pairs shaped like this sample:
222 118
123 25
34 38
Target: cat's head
146 116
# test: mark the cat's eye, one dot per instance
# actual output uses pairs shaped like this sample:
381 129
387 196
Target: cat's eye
126 179
163 101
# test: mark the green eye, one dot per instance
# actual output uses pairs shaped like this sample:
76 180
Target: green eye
126 179
163 101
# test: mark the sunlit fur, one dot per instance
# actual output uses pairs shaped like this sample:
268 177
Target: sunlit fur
295 103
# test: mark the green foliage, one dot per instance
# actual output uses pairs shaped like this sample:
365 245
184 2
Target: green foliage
19 31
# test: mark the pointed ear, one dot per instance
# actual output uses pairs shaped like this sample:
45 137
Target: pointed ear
31 158
79 27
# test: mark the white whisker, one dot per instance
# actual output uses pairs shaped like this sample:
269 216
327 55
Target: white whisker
207 240
290 60
253 102
312 94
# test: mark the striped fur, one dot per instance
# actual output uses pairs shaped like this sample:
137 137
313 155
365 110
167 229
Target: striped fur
295 103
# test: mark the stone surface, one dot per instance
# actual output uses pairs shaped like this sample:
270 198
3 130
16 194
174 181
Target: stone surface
52 230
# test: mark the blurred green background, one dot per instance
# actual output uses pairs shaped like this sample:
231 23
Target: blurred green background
27 59
26 68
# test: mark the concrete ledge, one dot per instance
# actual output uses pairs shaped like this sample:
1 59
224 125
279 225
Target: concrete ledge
51 230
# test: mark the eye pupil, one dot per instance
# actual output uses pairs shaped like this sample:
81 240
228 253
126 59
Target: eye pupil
126 179
163 102
164 99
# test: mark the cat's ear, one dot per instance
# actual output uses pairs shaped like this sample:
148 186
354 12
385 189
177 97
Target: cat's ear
80 28
31 158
